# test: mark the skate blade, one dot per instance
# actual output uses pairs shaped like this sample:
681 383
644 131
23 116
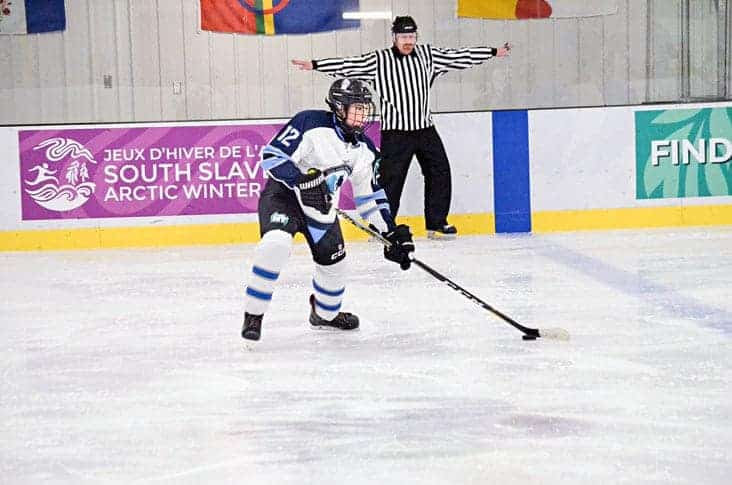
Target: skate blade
438 236
249 345
327 328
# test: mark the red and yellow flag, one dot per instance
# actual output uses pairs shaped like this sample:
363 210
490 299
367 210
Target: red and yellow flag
534 9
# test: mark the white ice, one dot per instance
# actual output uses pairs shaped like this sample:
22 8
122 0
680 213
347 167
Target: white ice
127 366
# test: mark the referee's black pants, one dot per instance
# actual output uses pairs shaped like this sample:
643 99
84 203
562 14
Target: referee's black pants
397 149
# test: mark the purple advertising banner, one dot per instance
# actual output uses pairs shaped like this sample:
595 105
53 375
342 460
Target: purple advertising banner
140 172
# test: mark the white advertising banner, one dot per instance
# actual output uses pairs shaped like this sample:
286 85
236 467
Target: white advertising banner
468 142
587 159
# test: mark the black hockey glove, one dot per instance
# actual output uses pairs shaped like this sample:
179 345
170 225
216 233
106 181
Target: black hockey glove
401 245
314 191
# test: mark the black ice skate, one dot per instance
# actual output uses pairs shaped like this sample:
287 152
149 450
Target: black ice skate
444 233
342 321
252 328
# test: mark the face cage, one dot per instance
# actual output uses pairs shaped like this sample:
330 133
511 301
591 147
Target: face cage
341 112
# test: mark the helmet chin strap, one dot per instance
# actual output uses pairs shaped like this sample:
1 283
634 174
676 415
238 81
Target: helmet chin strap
347 133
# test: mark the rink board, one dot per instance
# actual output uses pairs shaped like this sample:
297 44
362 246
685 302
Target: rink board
139 197
513 171
589 168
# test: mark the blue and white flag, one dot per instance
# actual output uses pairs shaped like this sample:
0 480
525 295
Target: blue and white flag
31 16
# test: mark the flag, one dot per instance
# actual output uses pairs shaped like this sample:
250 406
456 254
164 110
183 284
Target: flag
535 9
31 16
272 17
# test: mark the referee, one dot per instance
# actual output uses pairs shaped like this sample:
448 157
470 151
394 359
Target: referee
403 75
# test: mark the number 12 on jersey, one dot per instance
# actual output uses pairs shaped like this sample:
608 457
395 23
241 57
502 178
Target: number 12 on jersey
290 133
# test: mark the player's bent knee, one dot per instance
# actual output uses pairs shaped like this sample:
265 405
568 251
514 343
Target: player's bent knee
335 270
278 238
276 243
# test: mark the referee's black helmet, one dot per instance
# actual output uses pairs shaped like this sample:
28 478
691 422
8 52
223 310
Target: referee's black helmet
404 25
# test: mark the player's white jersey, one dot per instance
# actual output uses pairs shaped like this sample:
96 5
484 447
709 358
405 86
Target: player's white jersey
313 139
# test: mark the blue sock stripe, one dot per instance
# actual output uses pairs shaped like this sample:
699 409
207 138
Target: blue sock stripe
330 308
261 295
264 273
322 290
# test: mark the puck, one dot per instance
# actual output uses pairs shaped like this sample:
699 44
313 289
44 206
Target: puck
528 337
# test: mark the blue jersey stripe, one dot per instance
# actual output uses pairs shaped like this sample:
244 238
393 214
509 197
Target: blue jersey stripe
379 194
365 215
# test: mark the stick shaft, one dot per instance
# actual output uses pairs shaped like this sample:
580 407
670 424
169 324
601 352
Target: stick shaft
437 275
528 331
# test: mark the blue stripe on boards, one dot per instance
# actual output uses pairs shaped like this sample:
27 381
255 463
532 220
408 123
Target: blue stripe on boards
511 185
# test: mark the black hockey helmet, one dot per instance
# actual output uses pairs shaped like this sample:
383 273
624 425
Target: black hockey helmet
343 93
404 25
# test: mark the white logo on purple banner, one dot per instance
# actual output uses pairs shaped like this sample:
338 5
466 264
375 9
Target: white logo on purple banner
60 181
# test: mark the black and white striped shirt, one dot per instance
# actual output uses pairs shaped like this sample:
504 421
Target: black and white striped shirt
403 82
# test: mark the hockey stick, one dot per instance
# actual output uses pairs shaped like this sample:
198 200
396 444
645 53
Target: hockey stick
529 333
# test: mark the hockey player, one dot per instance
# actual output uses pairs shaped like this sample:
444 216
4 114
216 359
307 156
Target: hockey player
307 162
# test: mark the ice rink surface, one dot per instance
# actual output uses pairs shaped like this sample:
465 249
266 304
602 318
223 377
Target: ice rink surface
128 367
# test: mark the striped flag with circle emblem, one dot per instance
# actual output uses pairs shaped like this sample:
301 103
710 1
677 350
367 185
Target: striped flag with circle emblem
272 17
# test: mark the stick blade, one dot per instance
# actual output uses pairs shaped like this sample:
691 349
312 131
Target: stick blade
554 333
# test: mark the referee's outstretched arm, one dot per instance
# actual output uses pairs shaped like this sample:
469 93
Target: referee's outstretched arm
361 67
454 59
364 66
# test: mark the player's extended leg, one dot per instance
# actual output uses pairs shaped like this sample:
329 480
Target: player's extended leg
270 257
329 281
279 219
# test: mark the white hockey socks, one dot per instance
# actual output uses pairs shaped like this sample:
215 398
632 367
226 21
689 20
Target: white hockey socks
270 257
328 289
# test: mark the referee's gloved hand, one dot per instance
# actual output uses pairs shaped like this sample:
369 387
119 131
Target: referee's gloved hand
313 191
401 245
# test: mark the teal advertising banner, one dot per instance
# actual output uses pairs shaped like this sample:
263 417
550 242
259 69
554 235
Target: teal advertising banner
683 153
